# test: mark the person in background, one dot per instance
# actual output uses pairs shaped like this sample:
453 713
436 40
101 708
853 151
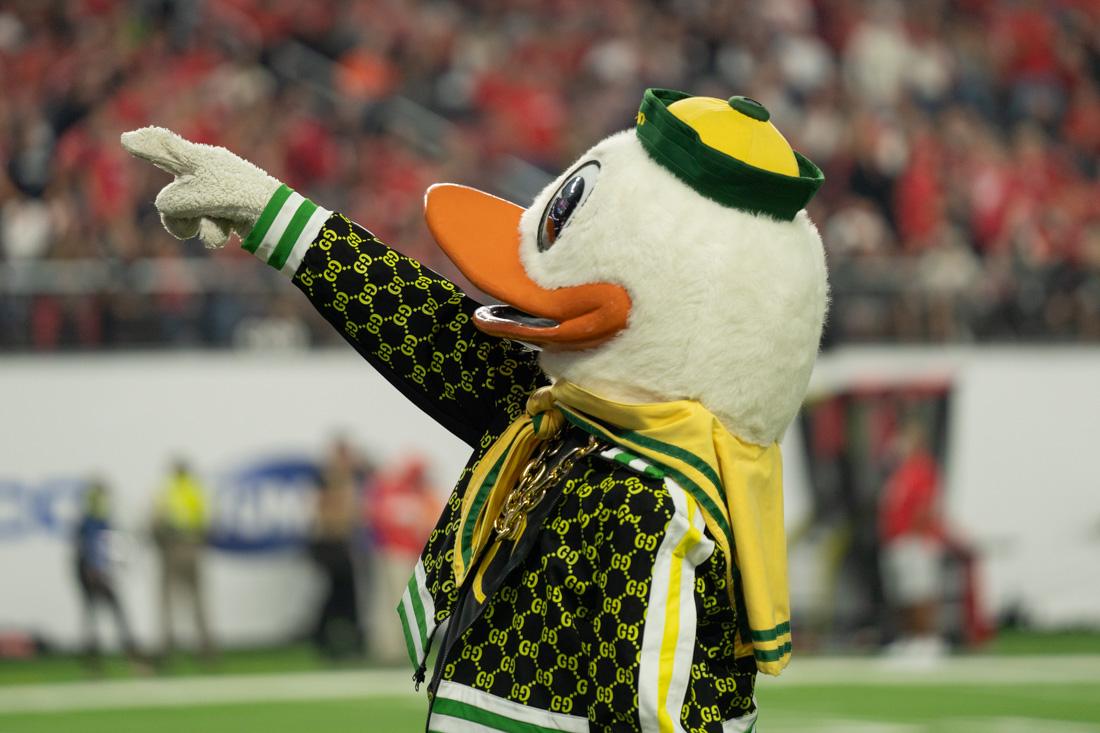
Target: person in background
93 572
179 530
337 632
401 511
913 539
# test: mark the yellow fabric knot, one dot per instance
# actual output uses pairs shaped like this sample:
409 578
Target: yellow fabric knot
546 419
497 473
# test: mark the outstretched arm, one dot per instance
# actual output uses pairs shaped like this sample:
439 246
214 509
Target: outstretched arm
414 327
411 324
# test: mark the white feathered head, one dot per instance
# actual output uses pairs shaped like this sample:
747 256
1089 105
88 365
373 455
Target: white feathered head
673 261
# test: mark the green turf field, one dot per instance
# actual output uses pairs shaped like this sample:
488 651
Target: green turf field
859 709
1011 691
300 658
66 668
329 716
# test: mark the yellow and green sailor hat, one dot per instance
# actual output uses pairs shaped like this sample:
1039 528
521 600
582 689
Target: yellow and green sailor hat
728 151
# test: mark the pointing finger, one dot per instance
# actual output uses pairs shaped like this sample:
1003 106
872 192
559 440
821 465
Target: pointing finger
163 148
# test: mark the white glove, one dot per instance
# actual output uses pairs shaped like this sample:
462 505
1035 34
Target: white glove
215 192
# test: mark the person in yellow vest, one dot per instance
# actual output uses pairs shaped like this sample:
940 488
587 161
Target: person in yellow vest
179 530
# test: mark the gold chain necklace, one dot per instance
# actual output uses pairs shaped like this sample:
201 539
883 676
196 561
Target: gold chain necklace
536 478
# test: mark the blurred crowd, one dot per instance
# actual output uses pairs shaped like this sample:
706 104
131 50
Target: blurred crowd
960 141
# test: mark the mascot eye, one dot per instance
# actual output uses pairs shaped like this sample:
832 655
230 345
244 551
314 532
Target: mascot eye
565 202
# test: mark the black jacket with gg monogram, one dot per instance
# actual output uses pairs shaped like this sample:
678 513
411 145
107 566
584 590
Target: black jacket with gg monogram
597 618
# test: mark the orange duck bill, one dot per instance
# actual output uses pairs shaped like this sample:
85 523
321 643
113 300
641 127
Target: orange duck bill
480 233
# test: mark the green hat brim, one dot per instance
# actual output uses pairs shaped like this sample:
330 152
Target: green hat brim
674 144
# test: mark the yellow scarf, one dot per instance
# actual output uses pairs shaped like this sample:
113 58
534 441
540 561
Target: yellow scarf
738 485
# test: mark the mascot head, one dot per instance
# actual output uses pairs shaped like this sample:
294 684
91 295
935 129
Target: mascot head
671 261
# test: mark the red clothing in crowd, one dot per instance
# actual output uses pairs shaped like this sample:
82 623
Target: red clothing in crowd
919 197
911 500
402 509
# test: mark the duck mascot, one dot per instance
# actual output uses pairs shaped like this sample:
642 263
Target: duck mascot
613 556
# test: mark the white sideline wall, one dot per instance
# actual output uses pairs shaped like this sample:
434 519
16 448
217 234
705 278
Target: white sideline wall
1023 468
125 417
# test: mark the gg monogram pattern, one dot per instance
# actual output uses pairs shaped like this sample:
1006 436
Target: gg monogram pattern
416 329
564 632
566 635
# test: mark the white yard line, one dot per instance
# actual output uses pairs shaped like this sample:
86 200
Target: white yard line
365 684
1020 725
778 722
974 670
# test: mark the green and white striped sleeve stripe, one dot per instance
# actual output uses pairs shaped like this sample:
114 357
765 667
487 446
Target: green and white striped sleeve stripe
633 462
285 230
669 635
417 612
461 709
